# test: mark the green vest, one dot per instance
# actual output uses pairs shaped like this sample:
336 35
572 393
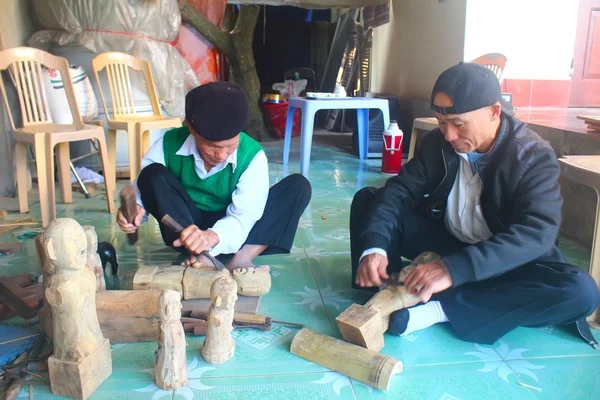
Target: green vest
213 193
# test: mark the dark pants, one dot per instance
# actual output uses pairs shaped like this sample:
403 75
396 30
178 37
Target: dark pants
532 295
162 193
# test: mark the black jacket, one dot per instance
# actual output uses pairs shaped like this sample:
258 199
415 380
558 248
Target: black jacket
521 201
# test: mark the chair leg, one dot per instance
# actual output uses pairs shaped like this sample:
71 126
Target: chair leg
112 155
133 152
63 160
109 177
413 143
143 137
45 176
21 167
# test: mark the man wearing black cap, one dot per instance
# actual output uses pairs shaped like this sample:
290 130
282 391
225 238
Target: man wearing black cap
483 193
213 179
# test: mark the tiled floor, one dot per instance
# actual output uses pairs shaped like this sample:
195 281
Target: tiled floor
312 286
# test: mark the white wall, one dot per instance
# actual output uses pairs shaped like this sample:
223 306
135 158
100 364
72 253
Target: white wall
536 36
15 29
423 38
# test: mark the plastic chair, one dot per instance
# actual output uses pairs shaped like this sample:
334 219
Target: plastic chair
494 61
25 64
123 104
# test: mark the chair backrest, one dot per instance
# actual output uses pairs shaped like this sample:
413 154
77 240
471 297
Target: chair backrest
25 67
494 61
117 70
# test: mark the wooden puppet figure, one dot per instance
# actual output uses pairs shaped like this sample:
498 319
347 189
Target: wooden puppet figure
170 361
219 346
81 359
252 281
93 258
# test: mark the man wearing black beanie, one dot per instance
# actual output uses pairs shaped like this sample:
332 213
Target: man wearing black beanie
213 179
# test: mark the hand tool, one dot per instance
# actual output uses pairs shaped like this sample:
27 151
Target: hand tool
177 228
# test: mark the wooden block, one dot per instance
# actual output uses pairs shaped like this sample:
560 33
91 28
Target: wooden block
197 281
244 304
78 380
9 296
163 278
127 316
362 326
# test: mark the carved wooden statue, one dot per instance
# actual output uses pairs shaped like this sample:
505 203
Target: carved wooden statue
365 325
170 362
45 313
252 281
219 346
81 359
93 259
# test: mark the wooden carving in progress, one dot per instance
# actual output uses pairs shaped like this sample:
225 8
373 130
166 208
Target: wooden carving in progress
45 313
358 363
170 363
252 281
195 283
219 346
93 259
365 325
81 359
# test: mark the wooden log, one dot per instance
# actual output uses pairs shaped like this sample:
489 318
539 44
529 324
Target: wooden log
356 362
128 316
365 325
164 278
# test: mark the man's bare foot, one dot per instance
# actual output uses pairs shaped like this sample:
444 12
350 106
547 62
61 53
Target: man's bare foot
197 262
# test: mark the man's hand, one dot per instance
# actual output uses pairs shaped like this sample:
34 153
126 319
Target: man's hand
127 227
196 240
372 270
427 279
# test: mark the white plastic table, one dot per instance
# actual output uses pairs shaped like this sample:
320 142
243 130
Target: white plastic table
310 106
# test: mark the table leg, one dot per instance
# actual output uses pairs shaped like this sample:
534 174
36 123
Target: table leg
287 141
362 115
594 319
308 119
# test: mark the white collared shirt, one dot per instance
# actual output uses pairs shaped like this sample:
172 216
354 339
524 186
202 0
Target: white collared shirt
464 217
247 201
